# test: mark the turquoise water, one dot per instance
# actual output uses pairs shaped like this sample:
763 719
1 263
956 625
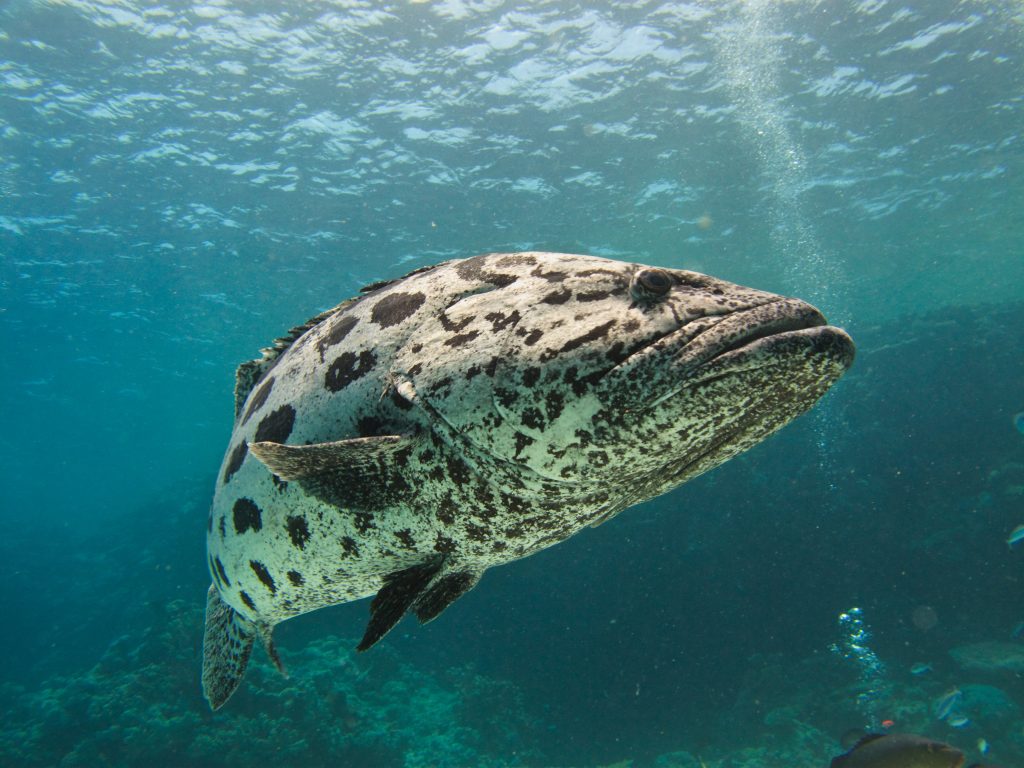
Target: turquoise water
180 183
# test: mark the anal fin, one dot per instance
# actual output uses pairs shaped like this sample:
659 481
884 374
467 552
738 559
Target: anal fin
427 589
227 645
400 590
444 591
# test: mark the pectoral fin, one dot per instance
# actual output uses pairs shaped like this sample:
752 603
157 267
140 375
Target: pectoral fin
361 473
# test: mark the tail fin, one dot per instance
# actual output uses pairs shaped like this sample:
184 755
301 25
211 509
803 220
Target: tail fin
227 643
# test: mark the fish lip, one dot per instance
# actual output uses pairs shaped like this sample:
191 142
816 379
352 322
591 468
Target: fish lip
762 351
745 340
741 330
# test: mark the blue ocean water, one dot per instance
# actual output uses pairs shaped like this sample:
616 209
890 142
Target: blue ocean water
182 182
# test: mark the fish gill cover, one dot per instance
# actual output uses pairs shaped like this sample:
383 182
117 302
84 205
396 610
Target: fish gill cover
182 182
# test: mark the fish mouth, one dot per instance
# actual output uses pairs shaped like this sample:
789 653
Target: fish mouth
779 333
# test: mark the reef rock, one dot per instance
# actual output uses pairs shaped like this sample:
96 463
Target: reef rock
990 656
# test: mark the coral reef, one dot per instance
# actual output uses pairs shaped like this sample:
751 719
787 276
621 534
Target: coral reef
139 705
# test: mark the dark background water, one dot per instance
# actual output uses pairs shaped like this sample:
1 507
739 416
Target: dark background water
181 183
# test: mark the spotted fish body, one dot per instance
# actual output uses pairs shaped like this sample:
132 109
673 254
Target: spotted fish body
475 412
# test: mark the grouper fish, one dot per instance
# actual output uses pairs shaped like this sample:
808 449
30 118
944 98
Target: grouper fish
900 750
475 412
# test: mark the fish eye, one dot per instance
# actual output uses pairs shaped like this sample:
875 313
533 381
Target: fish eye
650 284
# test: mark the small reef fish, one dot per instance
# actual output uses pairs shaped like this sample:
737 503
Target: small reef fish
899 750
946 703
920 668
958 721
983 746
473 413
1016 536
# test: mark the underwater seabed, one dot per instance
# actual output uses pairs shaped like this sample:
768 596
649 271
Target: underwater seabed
138 706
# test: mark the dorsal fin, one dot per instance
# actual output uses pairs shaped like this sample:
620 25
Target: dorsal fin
385 283
249 373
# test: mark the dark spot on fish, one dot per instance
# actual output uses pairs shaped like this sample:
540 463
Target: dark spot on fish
222 526
446 514
557 297
219 567
363 521
263 575
617 352
443 544
533 418
348 368
247 600
298 531
459 339
531 376
395 308
337 333
533 337
472 372
473 270
349 546
405 537
235 462
259 398
598 458
296 578
595 333
551 277
554 404
500 321
281 485
593 295
453 327
522 441
277 426
458 471
209 522
485 499
246 516
505 397
598 332
492 366
514 504
476 532
516 259
584 437
498 546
